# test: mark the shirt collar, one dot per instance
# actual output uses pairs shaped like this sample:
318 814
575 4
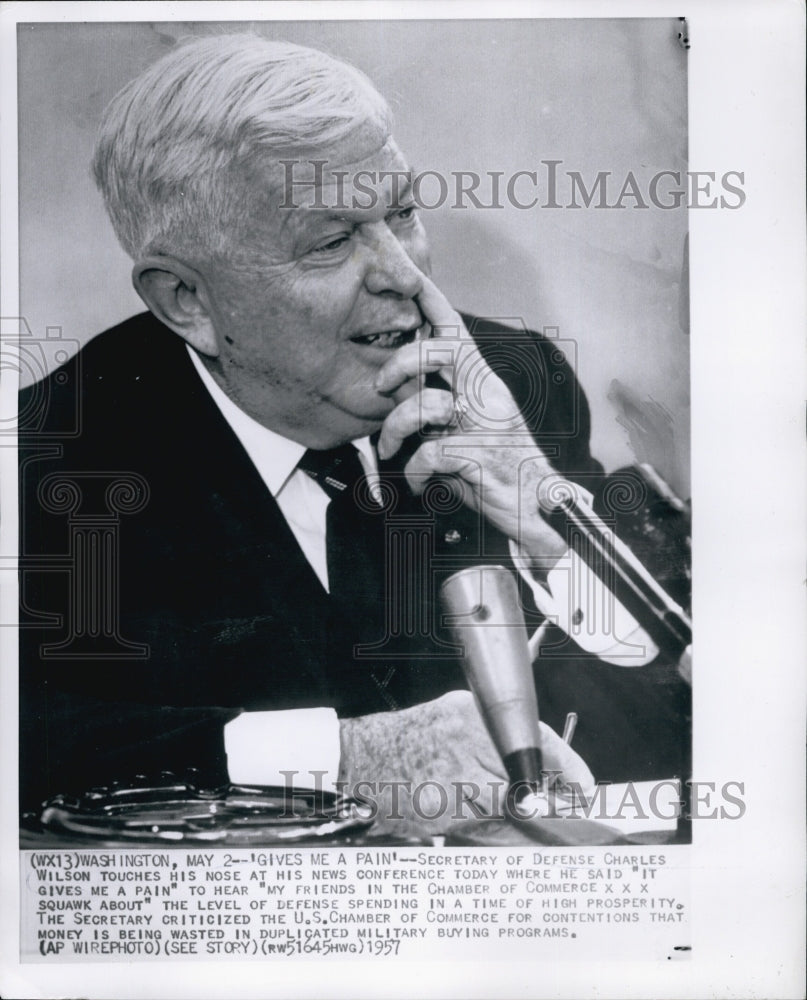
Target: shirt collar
274 456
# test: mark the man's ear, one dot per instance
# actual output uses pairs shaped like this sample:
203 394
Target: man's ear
175 293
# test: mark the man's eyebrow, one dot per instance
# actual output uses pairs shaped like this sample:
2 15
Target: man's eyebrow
319 217
310 218
307 218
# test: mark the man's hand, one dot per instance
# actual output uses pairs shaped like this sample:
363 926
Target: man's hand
476 433
432 769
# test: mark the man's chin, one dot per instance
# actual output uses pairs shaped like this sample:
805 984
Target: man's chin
345 428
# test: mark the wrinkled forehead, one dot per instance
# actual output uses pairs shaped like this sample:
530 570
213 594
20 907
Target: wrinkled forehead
365 168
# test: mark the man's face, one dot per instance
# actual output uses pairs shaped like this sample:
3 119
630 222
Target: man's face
314 300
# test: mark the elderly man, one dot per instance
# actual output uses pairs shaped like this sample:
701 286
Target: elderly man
295 347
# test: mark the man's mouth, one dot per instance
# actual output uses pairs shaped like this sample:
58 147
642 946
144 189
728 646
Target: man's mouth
390 339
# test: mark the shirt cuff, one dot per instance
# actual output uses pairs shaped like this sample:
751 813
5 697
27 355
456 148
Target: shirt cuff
578 602
297 748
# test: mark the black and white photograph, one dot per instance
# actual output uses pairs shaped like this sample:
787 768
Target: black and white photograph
371 596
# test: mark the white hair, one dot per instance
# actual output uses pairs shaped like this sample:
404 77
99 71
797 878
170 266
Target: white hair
174 144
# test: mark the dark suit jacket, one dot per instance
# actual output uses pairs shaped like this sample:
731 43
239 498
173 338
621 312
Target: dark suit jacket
163 591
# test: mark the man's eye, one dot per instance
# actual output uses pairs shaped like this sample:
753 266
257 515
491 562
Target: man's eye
405 214
335 244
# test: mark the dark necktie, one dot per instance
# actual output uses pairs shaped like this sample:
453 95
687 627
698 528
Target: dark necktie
354 534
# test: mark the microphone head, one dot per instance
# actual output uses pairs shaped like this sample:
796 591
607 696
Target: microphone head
484 616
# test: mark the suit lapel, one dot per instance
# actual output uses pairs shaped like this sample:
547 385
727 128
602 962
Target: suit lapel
237 492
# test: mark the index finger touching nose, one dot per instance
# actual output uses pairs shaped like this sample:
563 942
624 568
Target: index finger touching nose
421 357
445 320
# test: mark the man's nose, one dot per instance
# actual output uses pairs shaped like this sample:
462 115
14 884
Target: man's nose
390 269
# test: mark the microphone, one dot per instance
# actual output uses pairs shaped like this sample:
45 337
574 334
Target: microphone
485 618
612 561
